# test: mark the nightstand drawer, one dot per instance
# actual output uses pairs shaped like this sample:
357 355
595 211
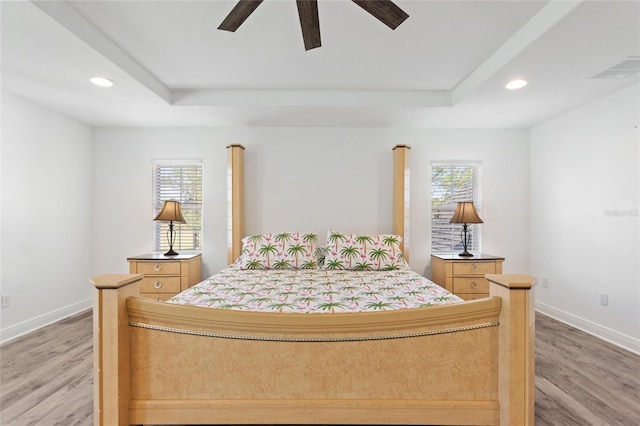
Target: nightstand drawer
472 296
159 268
160 285
470 285
474 268
158 297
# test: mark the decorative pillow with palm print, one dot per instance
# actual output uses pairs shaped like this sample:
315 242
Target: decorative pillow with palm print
360 252
286 250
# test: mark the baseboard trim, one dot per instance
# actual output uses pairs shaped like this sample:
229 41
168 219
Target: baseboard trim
619 339
13 332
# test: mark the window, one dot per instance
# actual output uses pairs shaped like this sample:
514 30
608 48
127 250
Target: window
450 183
180 181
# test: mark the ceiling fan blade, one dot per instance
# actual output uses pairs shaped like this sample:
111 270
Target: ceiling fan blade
385 11
309 23
239 14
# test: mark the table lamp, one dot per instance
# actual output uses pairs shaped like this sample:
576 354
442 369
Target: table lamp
171 213
465 213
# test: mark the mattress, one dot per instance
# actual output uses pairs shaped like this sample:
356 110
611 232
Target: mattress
315 291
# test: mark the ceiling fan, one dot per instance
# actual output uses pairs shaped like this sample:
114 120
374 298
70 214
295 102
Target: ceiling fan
384 10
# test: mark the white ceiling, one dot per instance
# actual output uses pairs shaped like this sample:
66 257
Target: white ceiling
445 66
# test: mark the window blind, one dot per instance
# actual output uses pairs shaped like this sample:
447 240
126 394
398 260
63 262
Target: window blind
180 181
450 183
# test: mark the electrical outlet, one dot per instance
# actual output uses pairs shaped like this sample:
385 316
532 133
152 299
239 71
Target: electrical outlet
545 282
604 299
6 300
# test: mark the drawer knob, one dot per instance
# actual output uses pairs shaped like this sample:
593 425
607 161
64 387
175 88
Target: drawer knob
474 284
158 284
157 267
159 299
475 267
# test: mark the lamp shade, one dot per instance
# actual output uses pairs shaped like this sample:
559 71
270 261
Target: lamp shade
465 213
171 212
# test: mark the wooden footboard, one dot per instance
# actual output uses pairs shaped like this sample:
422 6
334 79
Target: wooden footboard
158 363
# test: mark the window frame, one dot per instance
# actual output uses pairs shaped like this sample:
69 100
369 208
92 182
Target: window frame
189 209
454 231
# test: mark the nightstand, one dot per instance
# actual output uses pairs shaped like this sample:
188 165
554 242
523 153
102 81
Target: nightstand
464 276
166 276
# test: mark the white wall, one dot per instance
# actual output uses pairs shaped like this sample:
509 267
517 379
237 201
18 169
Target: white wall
303 179
46 216
504 157
123 213
584 197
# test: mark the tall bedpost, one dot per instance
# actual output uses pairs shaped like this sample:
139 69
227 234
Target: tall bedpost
516 347
401 196
111 348
235 201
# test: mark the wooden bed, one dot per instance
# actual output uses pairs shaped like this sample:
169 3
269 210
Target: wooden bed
466 363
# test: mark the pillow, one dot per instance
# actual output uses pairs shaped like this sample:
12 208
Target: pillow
286 250
361 252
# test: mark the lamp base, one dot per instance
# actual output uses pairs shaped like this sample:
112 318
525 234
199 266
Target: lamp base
465 241
171 252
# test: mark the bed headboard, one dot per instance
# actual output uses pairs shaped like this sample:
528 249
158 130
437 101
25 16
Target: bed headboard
235 198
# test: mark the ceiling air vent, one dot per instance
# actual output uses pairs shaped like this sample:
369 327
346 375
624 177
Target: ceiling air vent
627 68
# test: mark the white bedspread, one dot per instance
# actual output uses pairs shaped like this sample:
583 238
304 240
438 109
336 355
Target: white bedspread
315 291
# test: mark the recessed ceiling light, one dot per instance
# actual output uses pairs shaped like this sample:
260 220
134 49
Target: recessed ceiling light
516 84
101 81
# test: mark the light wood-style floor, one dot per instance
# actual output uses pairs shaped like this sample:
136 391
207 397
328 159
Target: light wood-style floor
46 377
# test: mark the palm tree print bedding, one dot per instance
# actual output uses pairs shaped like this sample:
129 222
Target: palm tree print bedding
315 291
